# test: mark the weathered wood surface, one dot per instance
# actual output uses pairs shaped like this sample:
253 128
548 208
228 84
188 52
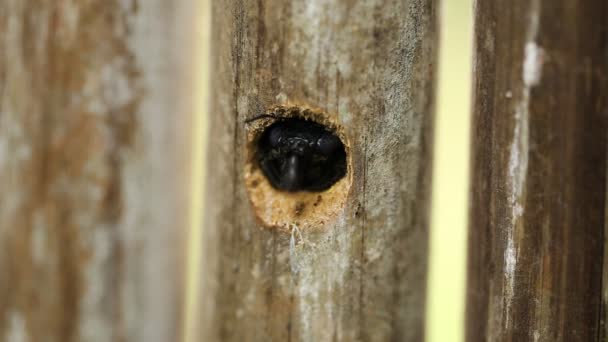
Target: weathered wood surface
363 275
536 238
94 112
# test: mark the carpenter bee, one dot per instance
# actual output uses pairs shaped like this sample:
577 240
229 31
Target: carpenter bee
300 155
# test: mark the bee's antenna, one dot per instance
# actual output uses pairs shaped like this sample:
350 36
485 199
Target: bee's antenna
261 116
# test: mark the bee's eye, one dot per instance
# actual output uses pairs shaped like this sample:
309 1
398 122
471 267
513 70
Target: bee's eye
274 136
328 143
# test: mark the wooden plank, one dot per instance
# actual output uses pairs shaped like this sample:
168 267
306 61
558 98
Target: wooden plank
354 269
539 185
94 150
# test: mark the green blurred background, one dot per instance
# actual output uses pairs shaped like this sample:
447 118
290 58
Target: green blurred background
445 310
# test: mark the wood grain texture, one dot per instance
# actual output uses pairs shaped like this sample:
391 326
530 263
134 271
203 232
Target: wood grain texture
362 276
94 117
536 238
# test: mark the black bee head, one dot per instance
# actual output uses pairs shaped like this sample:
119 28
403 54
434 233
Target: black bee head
300 155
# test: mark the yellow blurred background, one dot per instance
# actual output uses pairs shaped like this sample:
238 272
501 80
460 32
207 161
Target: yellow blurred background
445 309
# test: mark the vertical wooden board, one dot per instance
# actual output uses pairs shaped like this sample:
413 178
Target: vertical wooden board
538 188
94 153
362 276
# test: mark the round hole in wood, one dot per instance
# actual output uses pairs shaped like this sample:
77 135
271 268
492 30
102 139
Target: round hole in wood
298 168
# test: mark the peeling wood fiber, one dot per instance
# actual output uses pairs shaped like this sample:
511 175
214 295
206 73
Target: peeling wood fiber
93 166
536 239
361 276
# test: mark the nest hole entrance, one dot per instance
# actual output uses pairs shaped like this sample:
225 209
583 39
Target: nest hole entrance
298 170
